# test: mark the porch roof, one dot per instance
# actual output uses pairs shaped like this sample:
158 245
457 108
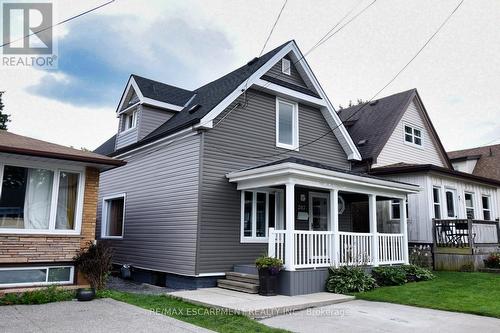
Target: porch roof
316 174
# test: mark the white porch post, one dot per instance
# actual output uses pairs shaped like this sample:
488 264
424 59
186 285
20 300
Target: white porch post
290 227
334 227
372 204
404 229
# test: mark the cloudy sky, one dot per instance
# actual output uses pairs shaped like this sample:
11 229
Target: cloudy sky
188 43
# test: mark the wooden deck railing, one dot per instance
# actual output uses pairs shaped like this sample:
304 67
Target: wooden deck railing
465 232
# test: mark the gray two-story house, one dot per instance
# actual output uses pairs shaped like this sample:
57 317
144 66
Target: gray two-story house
255 162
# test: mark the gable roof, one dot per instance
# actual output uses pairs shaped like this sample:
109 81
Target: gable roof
22 145
162 92
372 126
488 164
212 98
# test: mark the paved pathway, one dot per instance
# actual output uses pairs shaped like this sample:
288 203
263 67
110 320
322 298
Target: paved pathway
364 316
100 315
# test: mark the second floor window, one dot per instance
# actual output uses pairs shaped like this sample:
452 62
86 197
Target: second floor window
413 135
129 120
287 124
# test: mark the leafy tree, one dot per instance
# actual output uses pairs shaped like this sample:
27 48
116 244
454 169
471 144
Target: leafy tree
4 118
358 102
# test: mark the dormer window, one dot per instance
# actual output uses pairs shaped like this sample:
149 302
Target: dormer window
285 66
413 135
129 120
287 124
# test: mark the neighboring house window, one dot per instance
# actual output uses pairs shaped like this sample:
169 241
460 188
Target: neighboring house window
395 211
436 192
413 135
129 120
450 203
287 124
260 210
285 66
113 216
486 207
39 200
29 276
469 205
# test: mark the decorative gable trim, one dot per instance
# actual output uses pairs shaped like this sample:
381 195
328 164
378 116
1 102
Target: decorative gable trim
303 68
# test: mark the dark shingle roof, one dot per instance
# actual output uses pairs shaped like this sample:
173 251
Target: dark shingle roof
162 92
107 147
375 121
488 164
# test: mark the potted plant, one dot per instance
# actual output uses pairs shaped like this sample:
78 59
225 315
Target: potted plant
269 269
94 263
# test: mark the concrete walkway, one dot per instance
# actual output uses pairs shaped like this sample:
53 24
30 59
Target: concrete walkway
256 306
100 315
364 316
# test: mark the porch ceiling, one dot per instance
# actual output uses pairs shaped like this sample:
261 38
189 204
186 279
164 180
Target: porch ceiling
296 171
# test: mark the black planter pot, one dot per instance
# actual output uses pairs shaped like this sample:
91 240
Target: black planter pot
268 282
85 294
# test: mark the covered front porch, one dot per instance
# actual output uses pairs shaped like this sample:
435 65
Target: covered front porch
313 216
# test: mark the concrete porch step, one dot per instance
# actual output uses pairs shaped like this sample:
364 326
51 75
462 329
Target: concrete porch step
250 288
242 277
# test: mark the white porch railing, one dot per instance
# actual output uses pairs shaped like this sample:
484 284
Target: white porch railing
313 249
390 248
355 248
276 245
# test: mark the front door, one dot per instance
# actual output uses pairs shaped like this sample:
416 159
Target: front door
319 211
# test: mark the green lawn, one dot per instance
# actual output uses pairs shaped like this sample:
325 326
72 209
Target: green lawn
191 313
476 293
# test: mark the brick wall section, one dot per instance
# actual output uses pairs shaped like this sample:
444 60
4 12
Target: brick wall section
54 248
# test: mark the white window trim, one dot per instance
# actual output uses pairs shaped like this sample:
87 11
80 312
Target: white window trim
488 209
135 115
439 203
253 238
455 203
55 192
31 284
295 127
413 128
473 207
104 220
392 203
284 69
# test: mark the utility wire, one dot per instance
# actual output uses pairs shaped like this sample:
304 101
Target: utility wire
272 29
59 23
362 106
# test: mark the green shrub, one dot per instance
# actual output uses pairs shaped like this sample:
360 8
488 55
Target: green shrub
95 263
41 296
415 273
389 275
493 260
274 265
348 279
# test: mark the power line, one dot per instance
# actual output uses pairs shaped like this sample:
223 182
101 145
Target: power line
59 23
272 29
365 104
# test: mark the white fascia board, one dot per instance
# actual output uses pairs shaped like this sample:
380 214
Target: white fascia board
288 93
163 105
308 172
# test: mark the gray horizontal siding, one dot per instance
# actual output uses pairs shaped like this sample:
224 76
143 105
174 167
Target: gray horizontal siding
125 138
161 207
150 118
249 131
294 76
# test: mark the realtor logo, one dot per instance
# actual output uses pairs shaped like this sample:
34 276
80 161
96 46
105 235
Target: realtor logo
27 30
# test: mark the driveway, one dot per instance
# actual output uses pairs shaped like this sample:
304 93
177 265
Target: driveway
364 316
100 315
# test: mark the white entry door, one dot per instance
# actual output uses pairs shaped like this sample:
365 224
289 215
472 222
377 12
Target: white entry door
319 211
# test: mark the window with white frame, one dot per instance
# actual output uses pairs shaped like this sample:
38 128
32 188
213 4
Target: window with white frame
451 199
413 135
113 216
260 210
286 67
39 275
436 194
129 120
39 200
469 205
485 200
395 209
287 124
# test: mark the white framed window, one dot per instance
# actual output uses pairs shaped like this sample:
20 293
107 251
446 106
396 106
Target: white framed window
469 205
129 120
451 202
413 135
113 216
40 198
436 195
286 66
35 276
396 211
260 210
485 201
287 124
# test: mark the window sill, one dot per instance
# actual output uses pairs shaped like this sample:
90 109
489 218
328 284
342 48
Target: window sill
112 237
40 233
421 147
289 147
254 240
127 131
